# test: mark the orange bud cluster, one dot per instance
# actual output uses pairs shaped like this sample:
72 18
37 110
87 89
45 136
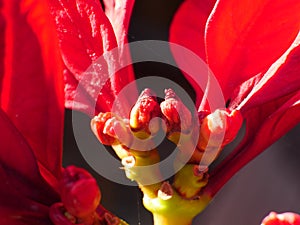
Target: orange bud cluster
207 131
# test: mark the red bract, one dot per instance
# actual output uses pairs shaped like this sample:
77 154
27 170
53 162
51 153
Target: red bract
34 187
25 196
31 89
253 50
85 35
31 94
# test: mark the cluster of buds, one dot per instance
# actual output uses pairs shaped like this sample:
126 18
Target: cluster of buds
199 136
80 201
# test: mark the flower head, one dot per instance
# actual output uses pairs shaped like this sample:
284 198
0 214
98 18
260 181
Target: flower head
247 52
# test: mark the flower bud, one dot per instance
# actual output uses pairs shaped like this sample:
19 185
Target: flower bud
98 124
219 124
108 128
80 193
178 116
287 218
145 109
58 215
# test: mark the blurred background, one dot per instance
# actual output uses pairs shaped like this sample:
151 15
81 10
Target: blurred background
269 183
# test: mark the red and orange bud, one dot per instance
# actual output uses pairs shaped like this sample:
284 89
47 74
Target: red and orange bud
234 124
98 123
59 216
80 193
108 128
145 109
287 218
178 116
219 124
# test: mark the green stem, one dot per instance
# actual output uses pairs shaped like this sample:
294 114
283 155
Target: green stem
171 220
171 208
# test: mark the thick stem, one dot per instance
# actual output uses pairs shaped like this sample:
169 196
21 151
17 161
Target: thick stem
171 220
142 167
171 208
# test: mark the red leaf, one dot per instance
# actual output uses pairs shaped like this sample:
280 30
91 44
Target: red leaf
23 192
187 30
277 116
243 38
31 87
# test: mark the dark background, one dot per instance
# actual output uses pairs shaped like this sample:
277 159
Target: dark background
270 182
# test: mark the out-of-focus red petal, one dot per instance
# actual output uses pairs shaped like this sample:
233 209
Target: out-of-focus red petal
187 29
244 38
24 194
281 79
31 89
277 116
2 40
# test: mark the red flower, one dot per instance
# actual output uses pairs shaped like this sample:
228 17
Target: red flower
252 49
34 187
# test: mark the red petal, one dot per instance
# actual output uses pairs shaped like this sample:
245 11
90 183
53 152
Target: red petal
187 30
32 89
278 116
244 38
24 195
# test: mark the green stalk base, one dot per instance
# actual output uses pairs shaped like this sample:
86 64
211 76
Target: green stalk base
171 220
175 210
